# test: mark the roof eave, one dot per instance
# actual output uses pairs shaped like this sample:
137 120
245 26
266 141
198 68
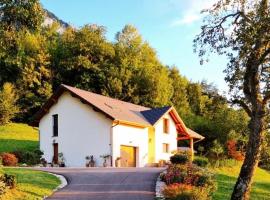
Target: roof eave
54 98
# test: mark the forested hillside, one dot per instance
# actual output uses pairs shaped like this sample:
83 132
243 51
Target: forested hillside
36 58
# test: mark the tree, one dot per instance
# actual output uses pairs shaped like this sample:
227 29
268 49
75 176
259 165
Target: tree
197 100
80 58
217 149
17 15
179 98
34 81
8 107
24 57
241 30
136 75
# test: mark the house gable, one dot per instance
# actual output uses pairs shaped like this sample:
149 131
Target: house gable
80 126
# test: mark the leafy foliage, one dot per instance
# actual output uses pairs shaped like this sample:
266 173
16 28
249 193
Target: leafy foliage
9 180
29 157
8 107
217 149
179 158
241 31
184 192
182 179
201 161
9 159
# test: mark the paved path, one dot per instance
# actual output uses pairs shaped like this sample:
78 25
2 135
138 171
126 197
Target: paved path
107 183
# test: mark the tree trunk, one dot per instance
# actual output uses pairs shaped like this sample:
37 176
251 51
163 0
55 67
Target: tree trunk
243 185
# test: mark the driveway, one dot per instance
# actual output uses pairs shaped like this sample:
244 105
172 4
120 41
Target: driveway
107 183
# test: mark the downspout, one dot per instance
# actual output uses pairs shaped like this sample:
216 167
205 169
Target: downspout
117 123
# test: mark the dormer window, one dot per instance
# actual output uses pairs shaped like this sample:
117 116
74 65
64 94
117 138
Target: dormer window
166 125
55 125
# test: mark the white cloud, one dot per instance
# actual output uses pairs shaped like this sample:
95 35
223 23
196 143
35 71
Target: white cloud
191 11
186 19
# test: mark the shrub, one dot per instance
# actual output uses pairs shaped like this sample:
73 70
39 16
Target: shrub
216 150
265 158
201 161
9 159
224 163
179 159
2 187
9 180
184 192
173 190
175 174
178 176
232 151
29 157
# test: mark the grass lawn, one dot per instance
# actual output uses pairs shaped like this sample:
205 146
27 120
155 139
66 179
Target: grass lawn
16 136
31 184
226 178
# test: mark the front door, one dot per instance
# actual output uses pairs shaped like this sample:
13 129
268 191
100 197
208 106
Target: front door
55 153
128 156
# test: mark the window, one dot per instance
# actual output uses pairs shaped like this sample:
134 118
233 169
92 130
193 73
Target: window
55 125
166 125
165 148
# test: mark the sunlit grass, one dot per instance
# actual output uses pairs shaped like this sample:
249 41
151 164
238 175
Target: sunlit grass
226 178
31 184
16 136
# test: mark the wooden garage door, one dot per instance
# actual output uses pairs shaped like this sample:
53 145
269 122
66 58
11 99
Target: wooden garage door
128 156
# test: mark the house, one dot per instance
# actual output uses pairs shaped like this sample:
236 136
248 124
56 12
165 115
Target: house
79 123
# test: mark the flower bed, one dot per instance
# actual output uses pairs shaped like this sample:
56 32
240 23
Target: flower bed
187 181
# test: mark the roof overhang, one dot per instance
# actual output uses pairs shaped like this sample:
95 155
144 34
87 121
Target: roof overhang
54 98
183 132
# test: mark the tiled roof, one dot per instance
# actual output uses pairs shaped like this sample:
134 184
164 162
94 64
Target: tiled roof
155 114
118 110
193 134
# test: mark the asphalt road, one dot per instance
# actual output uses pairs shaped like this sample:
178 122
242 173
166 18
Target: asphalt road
107 183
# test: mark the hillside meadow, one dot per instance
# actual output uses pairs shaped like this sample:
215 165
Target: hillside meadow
15 136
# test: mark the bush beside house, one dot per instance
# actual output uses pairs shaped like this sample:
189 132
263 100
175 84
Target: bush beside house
9 159
186 180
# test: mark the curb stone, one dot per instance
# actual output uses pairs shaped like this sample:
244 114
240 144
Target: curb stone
159 186
63 182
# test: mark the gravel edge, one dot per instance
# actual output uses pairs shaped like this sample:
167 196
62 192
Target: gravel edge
159 186
63 182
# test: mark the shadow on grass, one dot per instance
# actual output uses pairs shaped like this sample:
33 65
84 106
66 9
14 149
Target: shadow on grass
225 187
34 184
10 145
32 177
260 190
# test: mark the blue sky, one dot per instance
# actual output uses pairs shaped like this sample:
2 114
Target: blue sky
168 25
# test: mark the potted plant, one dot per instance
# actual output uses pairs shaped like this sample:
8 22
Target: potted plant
118 162
43 162
87 158
61 160
105 158
90 161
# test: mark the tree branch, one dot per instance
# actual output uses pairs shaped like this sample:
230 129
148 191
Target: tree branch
263 56
266 98
243 105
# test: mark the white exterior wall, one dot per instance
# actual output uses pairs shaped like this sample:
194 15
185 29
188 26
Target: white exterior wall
131 136
168 138
81 132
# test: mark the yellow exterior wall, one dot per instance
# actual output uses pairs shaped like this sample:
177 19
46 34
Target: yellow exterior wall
151 145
